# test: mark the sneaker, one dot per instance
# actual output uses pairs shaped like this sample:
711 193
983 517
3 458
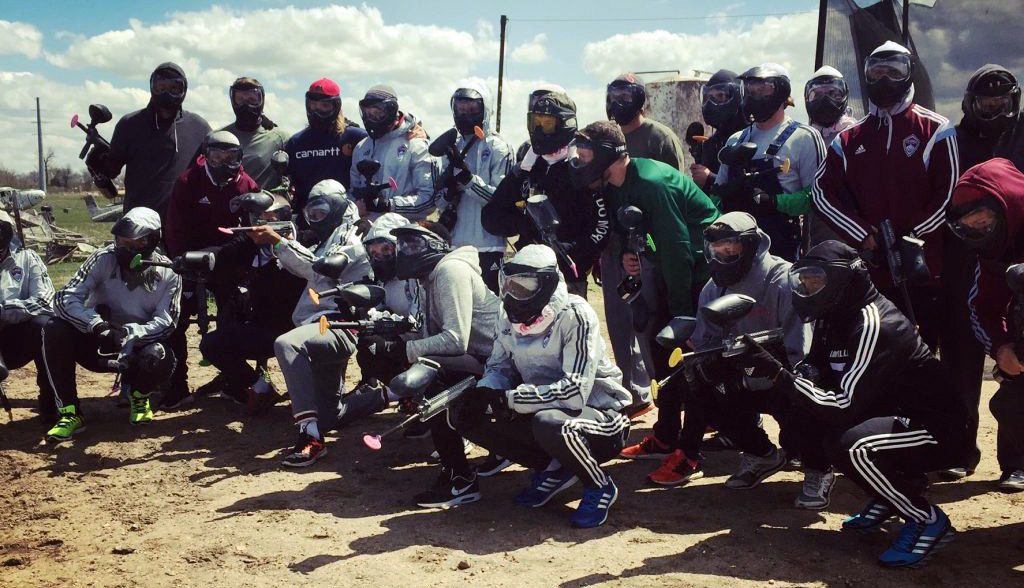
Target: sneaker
793 464
635 411
675 470
817 491
69 425
648 448
593 508
953 474
417 430
871 518
544 486
918 542
141 412
449 490
257 404
175 397
492 464
306 452
1012 481
754 469
718 442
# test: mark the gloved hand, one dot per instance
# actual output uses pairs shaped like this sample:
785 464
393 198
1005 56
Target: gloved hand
110 338
764 202
389 350
97 158
474 406
715 371
762 363
379 203
497 400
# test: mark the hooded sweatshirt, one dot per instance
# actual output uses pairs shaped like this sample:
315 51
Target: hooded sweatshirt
197 208
459 311
154 154
898 164
769 283
401 296
298 260
489 160
974 144
566 366
407 161
990 297
25 287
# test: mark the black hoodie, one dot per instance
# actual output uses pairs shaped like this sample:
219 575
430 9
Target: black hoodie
973 144
154 153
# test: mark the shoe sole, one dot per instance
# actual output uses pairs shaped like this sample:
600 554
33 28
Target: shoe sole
456 501
140 423
943 541
817 506
565 486
867 530
760 478
607 510
651 456
690 478
495 470
1011 489
58 440
308 462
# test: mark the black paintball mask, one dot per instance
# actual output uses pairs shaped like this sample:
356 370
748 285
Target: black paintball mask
550 121
730 246
625 99
383 254
826 98
981 225
419 252
467 110
584 174
525 290
323 105
887 76
222 153
992 100
829 279
765 90
720 99
326 208
379 111
247 102
167 87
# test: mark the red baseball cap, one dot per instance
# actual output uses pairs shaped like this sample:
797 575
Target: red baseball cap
326 87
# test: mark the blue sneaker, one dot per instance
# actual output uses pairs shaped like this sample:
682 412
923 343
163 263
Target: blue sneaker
871 518
544 486
918 542
593 509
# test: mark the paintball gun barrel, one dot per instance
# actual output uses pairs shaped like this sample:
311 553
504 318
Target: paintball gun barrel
425 410
98 114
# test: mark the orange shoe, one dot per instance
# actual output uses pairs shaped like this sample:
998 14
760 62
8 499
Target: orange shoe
648 448
675 470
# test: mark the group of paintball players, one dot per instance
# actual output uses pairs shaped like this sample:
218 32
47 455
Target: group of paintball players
814 273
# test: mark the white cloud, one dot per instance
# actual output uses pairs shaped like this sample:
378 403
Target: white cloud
532 51
18 38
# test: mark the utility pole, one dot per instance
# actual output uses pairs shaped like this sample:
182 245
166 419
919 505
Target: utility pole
39 135
501 71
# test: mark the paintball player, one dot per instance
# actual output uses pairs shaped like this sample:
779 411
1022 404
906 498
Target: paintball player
259 136
26 299
625 101
460 319
554 395
395 143
111 312
154 145
263 314
876 397
314 364
721 105
779 194
987 213
826 98
199 206
582 227
673 269
990 105
322 150
897 164
487 162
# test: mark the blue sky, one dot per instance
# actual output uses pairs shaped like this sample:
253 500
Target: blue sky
73 53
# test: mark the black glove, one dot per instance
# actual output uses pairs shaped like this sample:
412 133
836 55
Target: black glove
110 338
361 193
716 371
497 400
379 203
97 158
761 363
765 202
385 349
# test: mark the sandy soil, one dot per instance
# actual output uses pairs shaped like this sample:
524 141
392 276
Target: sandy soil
198 499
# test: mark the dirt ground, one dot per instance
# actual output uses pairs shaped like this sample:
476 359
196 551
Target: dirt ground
198 499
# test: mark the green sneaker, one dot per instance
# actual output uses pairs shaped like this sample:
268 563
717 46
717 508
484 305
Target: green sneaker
70 424
141 413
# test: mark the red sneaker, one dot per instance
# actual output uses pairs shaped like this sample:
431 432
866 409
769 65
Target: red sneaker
675 470
648 448
307 450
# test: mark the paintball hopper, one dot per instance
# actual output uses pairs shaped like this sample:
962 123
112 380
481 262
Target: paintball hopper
331 266
253 203
446 142
99 114
630 217
368 168
542 212
695 134
725 311
279 161
738 155
676 332
355 295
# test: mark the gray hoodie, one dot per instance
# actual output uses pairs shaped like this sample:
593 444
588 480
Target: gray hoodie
489 160
405 160
460 312
768 282
25 288
566 366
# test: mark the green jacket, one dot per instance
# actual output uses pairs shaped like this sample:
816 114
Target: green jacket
676 212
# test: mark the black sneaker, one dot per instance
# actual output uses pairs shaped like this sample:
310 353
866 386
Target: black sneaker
492 465
718 442
308 449
449 490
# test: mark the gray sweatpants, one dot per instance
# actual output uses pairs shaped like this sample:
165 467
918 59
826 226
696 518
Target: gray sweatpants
313 366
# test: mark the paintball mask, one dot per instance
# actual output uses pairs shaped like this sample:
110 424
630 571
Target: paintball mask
525 290
826 97
550 121
980 224
247 100
591 160
730 252
625 98
379 110
765 89
167 87
418 253
223 155
887 73
822 278
720 99
323 104
467 110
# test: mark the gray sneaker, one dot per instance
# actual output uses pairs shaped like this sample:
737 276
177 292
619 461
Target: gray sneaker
817 491
1012 481
754 469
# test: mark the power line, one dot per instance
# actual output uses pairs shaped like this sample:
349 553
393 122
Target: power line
667 18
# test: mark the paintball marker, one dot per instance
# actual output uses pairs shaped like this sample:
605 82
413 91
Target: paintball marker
545 219
371 193
194 266
279 162
94 143
631 218
695 139
254 205
445 146
427 408
1015 280
722 312
738 157
18 200
905 259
